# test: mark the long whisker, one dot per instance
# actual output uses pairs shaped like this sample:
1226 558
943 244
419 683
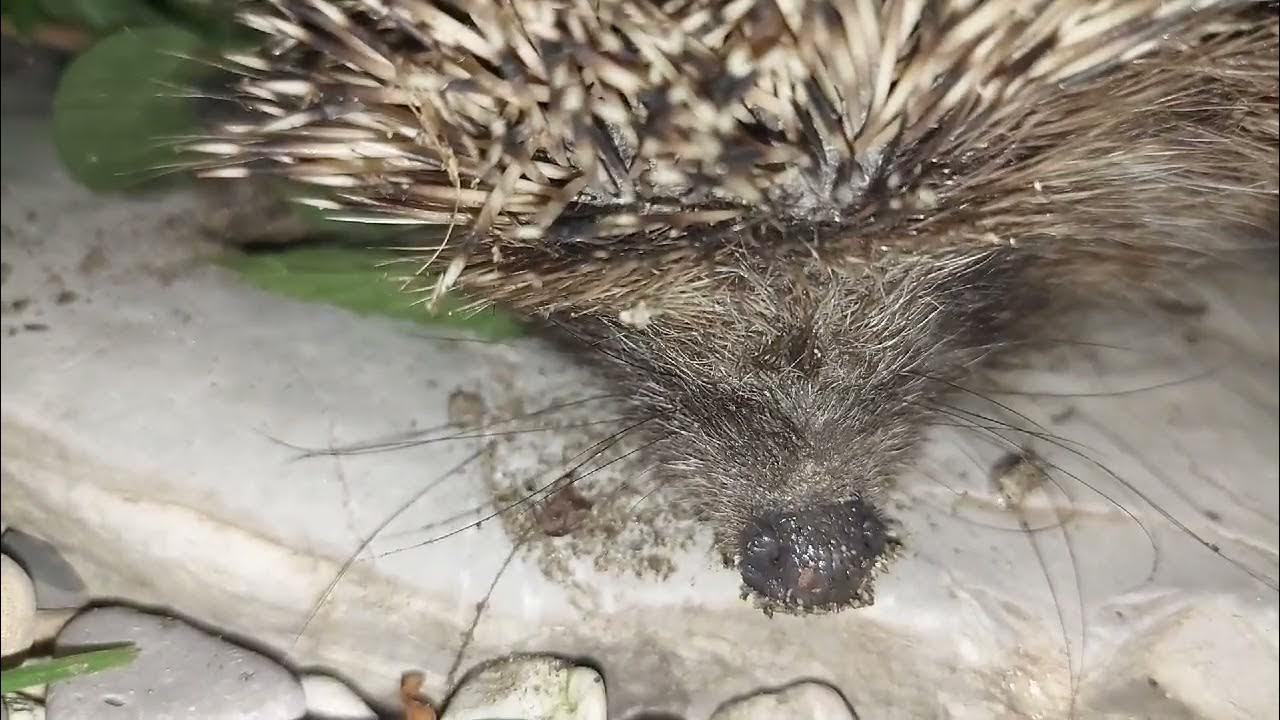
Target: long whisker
351 559
1033 538
994 431
599 448
416 437
1110 393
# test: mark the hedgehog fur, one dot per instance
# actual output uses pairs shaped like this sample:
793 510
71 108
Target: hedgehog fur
787 225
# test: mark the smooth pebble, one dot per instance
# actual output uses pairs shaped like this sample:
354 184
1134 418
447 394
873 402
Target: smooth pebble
529 688
810 700
17 707
180 672
17 608
328 698
56 582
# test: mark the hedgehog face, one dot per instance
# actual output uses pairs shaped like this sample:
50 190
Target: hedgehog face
786 428
787 468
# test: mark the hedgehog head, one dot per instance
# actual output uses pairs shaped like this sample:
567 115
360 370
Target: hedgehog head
825 209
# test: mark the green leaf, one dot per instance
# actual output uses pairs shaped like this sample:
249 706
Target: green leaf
48 671
103 15
26 15
116 113
213 20
351 279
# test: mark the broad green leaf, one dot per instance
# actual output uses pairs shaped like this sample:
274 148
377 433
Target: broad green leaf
116 110
103 15
25 15
48 671
213 20
352 279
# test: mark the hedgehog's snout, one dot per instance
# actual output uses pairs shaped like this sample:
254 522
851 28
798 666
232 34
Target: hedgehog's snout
819 558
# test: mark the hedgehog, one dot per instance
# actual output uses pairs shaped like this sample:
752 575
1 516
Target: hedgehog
787 228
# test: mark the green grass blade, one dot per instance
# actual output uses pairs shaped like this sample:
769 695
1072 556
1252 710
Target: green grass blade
49 671
350 278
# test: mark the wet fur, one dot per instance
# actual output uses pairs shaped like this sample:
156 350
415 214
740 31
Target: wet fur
797 325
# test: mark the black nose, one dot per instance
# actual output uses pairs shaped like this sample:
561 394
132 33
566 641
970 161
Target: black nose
819 558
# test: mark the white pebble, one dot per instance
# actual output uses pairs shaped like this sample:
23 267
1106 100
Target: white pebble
180 672
530 688
49 623
810 700
17 707
330 699
17 608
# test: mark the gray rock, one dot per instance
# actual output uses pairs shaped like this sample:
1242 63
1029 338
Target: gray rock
328 698
180 672
810 700
57 584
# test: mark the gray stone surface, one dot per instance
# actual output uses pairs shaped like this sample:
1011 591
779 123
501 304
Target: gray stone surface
181 672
